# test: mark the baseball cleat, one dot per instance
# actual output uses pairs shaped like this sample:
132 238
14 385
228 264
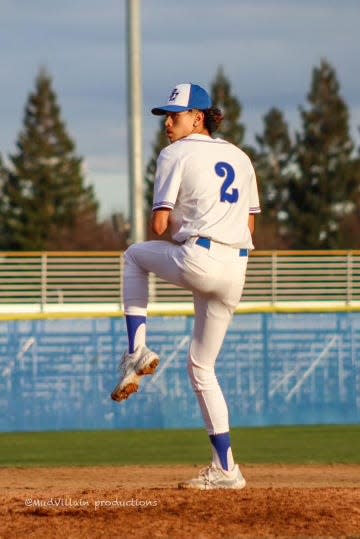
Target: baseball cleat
147 362
141 362
215 478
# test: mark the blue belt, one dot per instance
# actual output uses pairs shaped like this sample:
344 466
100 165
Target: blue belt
206 242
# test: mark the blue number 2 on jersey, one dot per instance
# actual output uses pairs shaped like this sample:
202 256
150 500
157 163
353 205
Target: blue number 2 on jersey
224 169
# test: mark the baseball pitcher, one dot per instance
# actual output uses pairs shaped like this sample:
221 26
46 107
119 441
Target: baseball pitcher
205 191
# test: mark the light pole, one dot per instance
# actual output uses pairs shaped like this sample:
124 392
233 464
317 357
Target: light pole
135 105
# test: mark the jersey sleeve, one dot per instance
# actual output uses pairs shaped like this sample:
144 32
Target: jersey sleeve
167 181
254 204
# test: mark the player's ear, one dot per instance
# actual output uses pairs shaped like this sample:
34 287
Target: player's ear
198 118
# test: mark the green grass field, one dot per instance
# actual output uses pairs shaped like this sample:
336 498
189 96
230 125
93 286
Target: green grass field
287 445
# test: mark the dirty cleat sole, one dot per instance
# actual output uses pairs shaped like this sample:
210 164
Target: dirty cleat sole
122 393
127 386
148 369
133 366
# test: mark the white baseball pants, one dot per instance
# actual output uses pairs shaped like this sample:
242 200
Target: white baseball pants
216 277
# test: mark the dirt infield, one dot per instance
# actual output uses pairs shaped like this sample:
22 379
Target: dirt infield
143 502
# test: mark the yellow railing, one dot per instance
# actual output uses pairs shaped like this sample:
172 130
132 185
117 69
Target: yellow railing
65 278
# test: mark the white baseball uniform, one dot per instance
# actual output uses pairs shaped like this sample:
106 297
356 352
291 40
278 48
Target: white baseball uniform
210 186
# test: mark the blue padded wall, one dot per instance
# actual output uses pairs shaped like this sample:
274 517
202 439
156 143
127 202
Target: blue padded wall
273 368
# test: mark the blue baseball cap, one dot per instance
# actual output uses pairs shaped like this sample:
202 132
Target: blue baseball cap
185 97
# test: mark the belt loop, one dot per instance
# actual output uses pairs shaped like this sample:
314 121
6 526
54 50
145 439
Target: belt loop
203 242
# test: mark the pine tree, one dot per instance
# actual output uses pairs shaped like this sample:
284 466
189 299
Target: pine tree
3 176
44 194
323 183
231 129
272 163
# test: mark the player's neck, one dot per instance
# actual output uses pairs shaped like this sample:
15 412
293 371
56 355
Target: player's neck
200 130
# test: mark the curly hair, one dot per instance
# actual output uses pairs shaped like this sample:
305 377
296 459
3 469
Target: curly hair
212 119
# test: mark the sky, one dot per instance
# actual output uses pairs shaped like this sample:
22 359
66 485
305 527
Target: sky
267 49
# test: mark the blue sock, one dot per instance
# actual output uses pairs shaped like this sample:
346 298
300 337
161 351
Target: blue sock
133 322
221 444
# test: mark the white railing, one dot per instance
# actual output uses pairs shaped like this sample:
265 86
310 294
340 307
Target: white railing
60 278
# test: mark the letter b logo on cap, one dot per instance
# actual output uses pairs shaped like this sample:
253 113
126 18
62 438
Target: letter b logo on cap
174 94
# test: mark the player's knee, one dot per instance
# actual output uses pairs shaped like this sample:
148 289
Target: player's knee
130 251
131 254
202 377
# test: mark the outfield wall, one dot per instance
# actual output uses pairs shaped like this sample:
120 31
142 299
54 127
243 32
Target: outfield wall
300 368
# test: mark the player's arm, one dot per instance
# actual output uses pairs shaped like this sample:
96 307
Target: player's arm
160 221
251 223
166 188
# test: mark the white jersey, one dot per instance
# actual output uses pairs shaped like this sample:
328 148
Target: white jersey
211 187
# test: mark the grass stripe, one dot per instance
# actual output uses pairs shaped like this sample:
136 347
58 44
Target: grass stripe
297 445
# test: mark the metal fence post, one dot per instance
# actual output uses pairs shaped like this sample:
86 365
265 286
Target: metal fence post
274 277
43 281
152 288
349 270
